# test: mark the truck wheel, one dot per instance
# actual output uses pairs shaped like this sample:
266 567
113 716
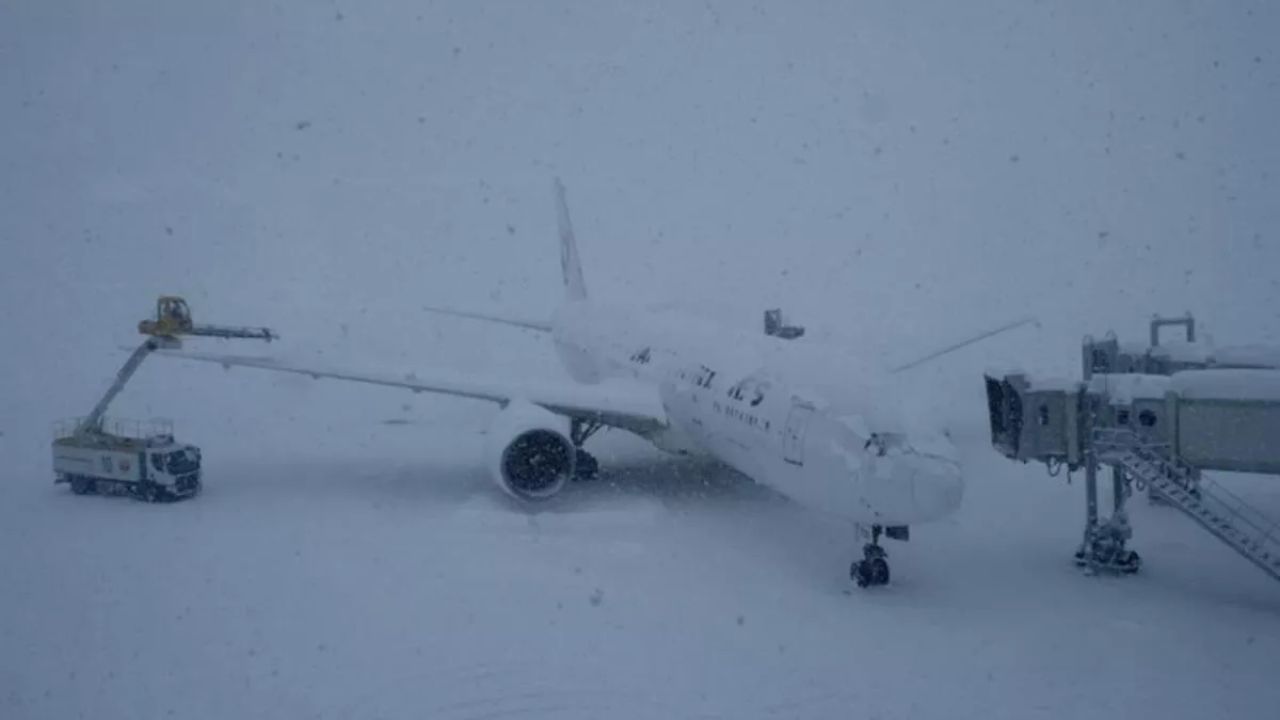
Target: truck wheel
146 492
81 485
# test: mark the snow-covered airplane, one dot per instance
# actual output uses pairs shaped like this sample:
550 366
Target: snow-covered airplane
814 424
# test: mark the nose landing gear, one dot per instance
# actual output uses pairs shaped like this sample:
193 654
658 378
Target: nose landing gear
873 568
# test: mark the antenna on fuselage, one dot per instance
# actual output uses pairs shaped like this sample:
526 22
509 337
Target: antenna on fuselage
775 327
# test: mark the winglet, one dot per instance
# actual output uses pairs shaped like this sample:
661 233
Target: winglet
570 265
967 342
539 325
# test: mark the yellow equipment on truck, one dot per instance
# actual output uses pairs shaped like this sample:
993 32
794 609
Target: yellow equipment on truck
173 319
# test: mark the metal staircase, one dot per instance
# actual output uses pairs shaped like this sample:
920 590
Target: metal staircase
1224 514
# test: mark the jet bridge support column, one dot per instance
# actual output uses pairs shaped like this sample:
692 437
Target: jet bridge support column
1105 545
1119 489
1088 416
1090 502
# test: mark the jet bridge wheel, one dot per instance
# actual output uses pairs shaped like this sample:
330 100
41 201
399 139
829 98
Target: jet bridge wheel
1125 562
1132 564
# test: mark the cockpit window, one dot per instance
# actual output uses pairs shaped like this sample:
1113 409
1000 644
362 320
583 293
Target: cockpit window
883 443
876 444
749 390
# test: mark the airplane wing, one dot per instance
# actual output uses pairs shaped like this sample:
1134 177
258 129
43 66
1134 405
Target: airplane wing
624 405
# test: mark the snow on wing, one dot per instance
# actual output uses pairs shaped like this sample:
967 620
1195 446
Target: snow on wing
616 404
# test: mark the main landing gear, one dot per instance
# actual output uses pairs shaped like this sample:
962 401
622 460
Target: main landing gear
873 568
585 466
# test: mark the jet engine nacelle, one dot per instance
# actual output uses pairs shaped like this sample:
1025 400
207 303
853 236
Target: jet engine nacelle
529 452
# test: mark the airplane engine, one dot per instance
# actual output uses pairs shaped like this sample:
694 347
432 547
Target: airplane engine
529 452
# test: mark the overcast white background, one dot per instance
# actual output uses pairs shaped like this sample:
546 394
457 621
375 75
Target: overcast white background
891 173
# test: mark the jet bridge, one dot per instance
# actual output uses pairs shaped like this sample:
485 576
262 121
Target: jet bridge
1109 355
1159 415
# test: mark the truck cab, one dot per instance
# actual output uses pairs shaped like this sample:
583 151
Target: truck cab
175 467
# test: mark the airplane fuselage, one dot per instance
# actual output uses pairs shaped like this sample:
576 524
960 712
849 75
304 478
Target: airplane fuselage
791 418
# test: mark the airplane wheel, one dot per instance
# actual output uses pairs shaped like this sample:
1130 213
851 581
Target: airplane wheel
863 573
586 467
870 572
858 572
879 572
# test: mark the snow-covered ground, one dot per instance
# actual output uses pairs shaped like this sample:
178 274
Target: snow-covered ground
413 589
890 173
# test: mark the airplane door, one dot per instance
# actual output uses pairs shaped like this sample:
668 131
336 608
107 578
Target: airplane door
793 434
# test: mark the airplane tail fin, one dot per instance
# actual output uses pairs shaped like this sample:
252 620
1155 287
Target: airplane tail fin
570 265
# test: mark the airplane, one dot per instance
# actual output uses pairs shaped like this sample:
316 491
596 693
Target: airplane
821 427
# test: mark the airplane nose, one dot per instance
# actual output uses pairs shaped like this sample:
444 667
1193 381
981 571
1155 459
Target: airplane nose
937 485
